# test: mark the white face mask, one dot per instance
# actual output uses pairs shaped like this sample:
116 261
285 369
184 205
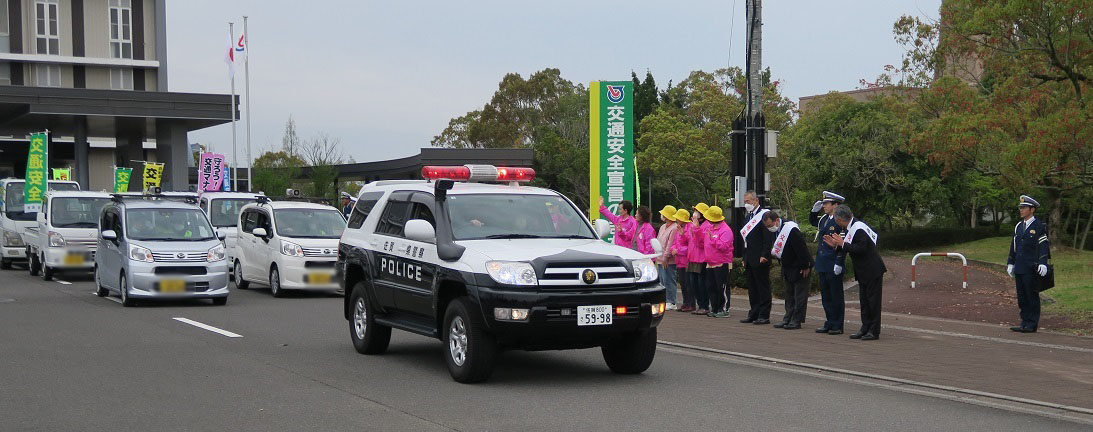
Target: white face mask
749 207
774 228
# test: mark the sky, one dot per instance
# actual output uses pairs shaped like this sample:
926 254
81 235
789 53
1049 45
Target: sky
386 77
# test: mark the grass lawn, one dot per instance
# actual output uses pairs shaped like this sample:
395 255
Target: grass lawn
1073 290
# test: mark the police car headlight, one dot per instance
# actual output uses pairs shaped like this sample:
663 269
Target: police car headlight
137 253
512 273
56 239
215 254
644 270
11 239
291 249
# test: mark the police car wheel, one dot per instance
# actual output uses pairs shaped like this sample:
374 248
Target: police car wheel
368 336
237 270
471 351
275 283
33 265
100 290
632 353
124 288
47 272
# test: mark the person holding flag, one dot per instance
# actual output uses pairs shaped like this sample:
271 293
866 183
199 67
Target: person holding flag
790 249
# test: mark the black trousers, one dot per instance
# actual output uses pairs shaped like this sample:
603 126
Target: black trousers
796 301
717 280
1028 299
869 294
685 286
698 287
759 295
831 293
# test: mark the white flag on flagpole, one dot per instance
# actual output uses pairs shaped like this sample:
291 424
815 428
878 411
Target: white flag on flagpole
229 57
241 46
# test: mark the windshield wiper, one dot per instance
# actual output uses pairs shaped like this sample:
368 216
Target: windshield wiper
78 225
513 236
572 236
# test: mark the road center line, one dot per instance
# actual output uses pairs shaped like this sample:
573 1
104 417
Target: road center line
207 327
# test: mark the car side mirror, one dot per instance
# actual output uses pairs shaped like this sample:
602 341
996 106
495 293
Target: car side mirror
260 232
221 235
657 247
109 235
420 230
603 228
41 217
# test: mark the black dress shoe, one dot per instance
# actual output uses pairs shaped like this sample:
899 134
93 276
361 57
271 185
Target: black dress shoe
761 321
835 332
857 335
792 326
780 325
823 330
747 320
1028 330
1017 329
869 336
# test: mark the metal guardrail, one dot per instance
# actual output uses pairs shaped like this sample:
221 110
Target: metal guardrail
944 254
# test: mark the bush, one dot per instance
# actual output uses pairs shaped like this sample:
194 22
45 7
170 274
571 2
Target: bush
921 239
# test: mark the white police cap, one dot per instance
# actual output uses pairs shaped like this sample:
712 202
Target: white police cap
833 197
1028 201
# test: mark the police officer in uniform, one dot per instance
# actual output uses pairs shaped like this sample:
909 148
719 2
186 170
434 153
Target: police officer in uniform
347 204
829 262
1027 263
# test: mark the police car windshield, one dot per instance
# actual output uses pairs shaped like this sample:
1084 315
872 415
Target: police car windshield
309 223
173 224
13 199
76 212
497 216
224 212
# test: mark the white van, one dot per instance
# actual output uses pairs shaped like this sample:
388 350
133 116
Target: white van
14 221
223 209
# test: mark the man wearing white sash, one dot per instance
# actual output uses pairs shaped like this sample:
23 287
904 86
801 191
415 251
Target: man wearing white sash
789 248
757 244
861 244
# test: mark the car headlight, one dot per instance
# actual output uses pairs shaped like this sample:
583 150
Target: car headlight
137 253
12 239
215 254
56 239
644 270
291 249
512 273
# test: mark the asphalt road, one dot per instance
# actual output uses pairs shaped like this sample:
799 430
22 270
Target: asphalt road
72 361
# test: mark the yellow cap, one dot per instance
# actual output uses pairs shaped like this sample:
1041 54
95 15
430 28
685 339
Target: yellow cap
714 214
682 215
669 212
702 207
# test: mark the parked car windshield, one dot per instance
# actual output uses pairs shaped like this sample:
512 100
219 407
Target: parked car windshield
493 216
168 224
224 212
13 199
76 212
309 223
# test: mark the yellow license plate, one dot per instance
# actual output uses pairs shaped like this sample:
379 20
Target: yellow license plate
319 278
74 259
172 286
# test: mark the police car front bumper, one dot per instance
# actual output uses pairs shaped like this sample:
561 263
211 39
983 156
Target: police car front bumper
552 317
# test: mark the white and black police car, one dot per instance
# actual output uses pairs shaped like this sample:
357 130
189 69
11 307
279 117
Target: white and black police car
488 267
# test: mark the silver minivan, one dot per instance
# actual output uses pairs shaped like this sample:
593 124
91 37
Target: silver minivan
159 247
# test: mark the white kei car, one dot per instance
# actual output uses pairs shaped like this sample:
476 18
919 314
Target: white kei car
287 245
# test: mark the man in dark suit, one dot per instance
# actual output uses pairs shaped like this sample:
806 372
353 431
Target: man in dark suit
757 244
829 263
1029 252
789 247
860 243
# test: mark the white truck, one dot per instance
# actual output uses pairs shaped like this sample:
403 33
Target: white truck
65 234
13 220
223 209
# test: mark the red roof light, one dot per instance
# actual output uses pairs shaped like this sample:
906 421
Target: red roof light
506 174
446 172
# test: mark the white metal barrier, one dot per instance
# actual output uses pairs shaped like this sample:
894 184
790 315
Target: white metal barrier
944 254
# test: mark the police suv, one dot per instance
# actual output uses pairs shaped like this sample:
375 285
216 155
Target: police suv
488 267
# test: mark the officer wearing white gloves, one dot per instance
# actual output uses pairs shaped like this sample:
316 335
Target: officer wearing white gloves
829 262
1028 262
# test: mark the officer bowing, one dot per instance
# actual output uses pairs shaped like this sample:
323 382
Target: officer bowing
1027 263
829 262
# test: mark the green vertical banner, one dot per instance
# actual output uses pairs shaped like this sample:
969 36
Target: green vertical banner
121 179
37 172
611 145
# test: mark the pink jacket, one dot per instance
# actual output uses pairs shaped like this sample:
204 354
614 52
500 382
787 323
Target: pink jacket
679 247
718 245
646 234
667 236
625 228
696 252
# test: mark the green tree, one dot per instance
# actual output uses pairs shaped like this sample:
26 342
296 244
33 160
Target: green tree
275 171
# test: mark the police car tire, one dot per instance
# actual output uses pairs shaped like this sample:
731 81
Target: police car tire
376 336
632 353
237 271
5 264
481 348
33 265
47 273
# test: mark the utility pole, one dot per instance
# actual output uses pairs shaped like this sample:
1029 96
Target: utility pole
749 129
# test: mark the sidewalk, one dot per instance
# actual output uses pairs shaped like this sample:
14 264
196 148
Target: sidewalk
1049 367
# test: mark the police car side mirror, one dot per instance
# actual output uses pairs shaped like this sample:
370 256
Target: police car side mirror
657 247
420 230
109 235
260 232
603 228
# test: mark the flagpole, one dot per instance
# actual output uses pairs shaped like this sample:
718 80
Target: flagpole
235 157
246 71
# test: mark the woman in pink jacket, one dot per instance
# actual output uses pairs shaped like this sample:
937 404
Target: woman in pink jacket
679 252
643 241
717 244
696 259
625 225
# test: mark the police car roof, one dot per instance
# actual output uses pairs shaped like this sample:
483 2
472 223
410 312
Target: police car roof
459 188
78 194
296 205
215 195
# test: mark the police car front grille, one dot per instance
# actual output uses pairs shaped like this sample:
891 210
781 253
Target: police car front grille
179 256
320 252
569 275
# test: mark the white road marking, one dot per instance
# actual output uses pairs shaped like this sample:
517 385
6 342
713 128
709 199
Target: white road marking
208 327
63 282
